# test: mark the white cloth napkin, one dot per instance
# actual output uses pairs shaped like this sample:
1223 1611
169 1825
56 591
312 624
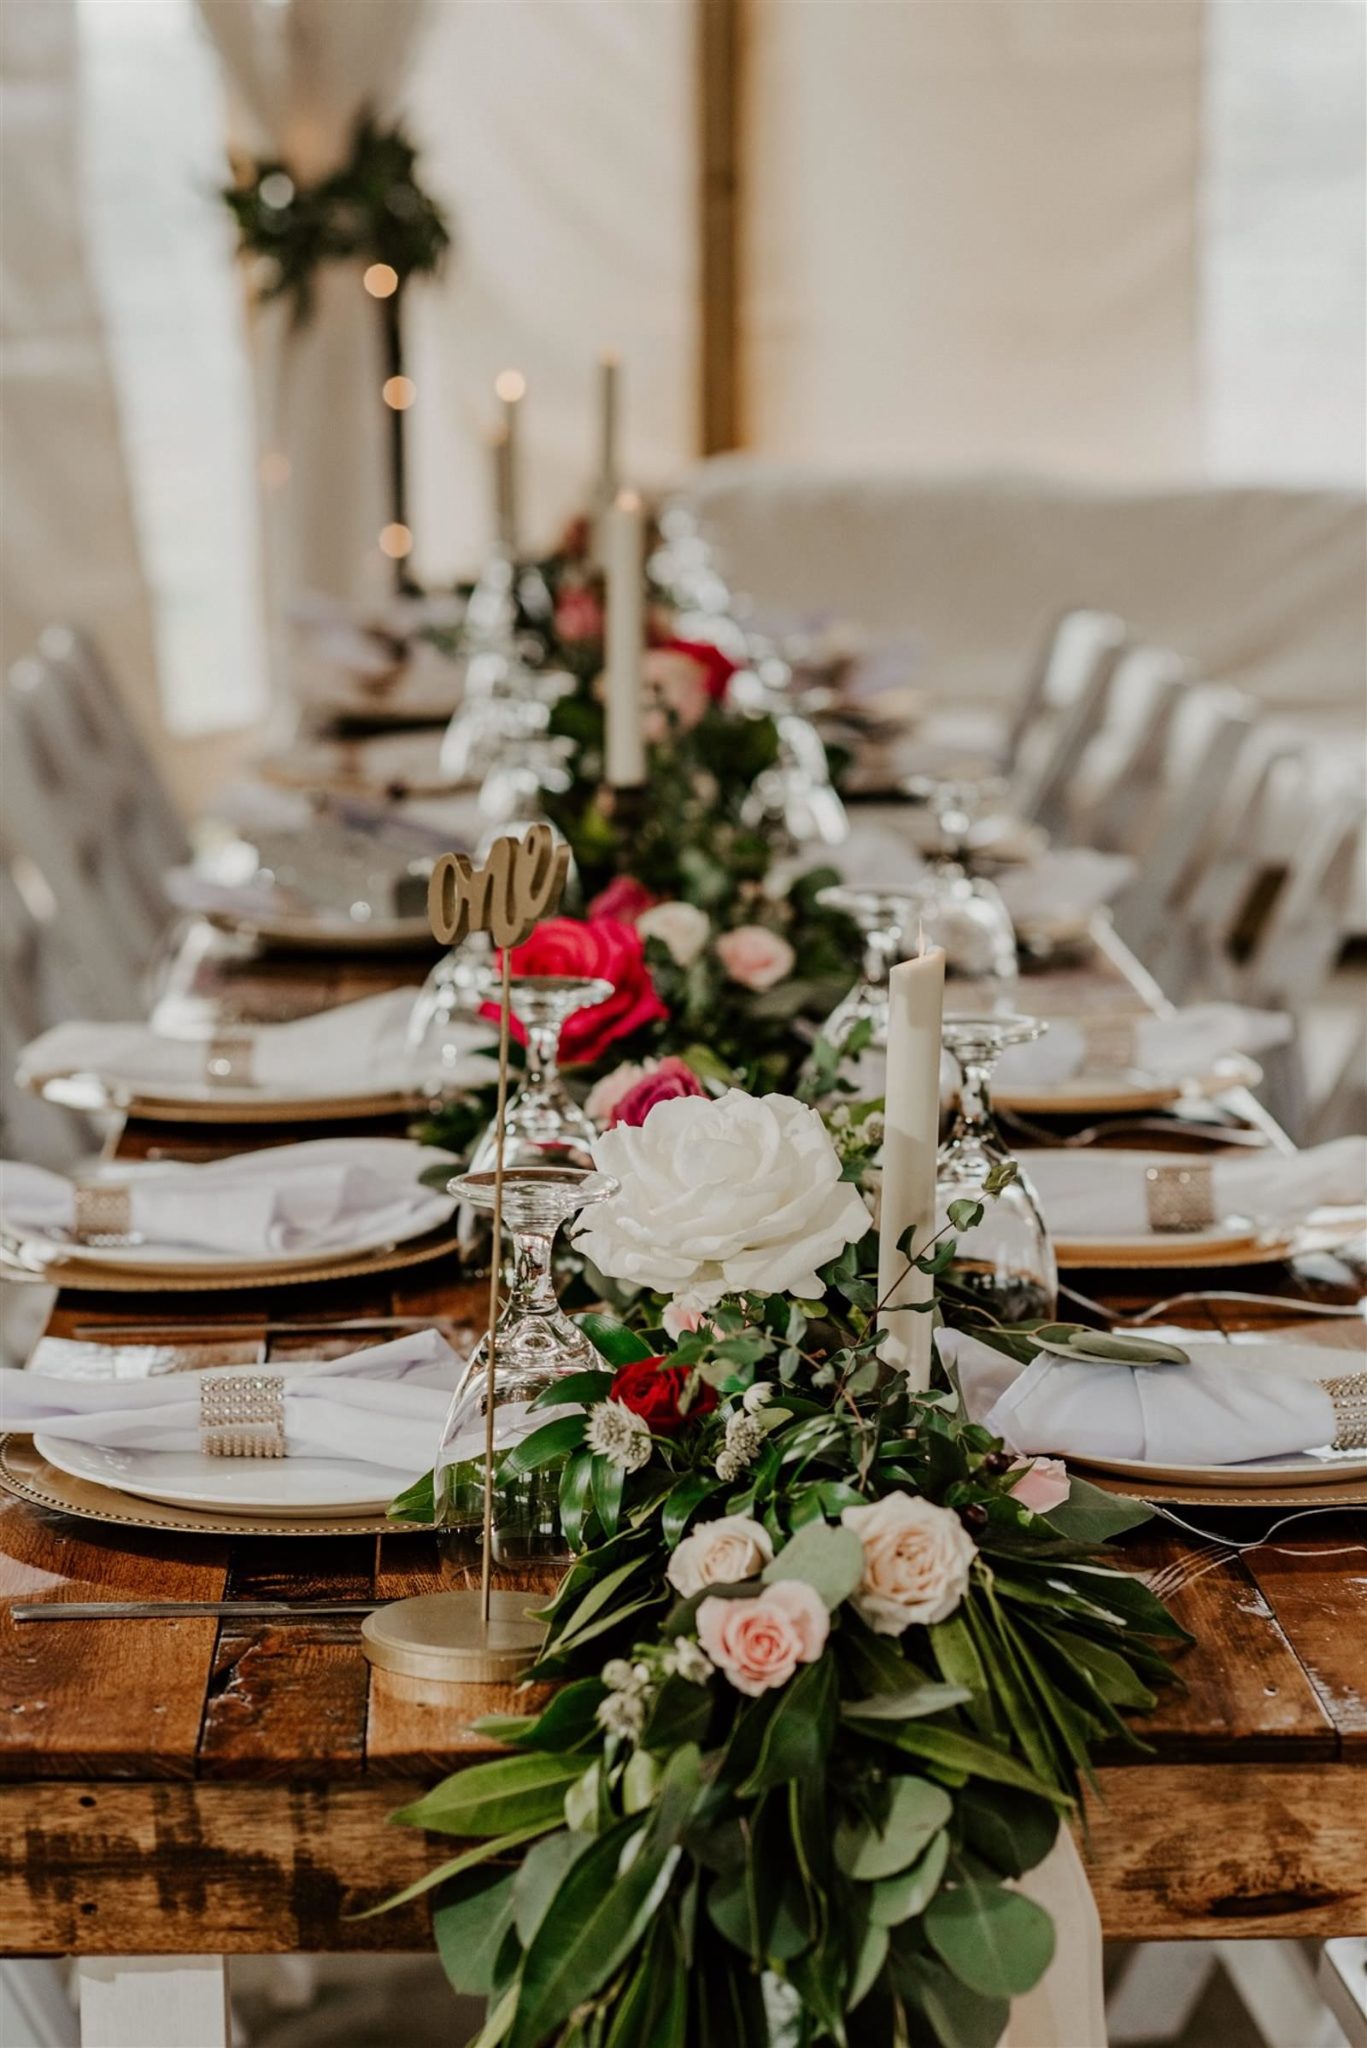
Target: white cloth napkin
1070 883
325 1196
1099 1194
1219 1410
356 1049
385 1406
1185 1045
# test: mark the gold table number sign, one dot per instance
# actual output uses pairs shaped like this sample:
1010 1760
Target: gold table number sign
469 1637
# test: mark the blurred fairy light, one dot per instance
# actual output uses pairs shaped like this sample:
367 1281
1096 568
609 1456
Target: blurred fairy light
510 385
381 280
399 393
276 190
396 541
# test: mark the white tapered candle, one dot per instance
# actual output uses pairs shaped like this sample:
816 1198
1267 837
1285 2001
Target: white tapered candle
624 562
511 387
916 992
609 372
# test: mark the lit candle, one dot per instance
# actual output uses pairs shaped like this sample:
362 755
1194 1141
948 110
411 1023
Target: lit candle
916 992
511 387
624 634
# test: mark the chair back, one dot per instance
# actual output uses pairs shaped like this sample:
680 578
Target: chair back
36 990
1045 773
1077 643
1125 769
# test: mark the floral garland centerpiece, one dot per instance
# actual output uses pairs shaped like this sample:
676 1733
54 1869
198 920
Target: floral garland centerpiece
831 1661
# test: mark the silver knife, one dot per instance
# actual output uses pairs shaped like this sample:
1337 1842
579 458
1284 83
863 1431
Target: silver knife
186 1610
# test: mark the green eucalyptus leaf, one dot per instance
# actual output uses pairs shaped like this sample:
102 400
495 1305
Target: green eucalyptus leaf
1010 1829
873 1953
918 1810
997 1942
906 1894
829 1560
959 2018
951 1750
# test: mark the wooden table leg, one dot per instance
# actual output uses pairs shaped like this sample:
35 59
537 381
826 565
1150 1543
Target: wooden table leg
154 2002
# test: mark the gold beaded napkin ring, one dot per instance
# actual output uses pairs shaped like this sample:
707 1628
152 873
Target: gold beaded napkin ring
1179 1197
242 1414
1348 1392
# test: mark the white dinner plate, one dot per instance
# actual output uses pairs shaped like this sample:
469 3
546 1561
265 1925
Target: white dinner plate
298 1488
406 763
326 931
400 1156
1323 1467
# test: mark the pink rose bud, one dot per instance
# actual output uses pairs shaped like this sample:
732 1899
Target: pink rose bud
672 1077
755 957
758 1644
1043 1485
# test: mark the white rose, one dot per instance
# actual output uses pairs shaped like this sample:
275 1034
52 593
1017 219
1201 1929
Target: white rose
605 1095
719 1554
719 1196
680 927
755 957
916 1562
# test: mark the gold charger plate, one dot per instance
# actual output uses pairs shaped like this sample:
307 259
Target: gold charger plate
30 1478
1176 1252
88 1274
89 1093
1102 1095
1351 1493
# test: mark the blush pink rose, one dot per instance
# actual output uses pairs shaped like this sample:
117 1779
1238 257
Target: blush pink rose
661 1082
758 1644
755 957
624 898
677 684
579 615
1043 1485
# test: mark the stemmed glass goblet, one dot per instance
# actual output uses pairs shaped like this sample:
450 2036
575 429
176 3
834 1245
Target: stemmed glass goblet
535 1345
964 913
543 1125
883 916
1005 1263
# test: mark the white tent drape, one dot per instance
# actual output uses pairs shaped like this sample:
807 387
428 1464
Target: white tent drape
301 74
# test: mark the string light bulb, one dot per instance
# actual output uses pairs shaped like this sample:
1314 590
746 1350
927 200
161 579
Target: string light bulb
399 393
396 541
381 280
510 386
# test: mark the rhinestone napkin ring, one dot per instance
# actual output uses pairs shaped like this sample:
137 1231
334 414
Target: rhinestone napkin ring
1349 1395
228 1061
242 1414
102 1212
1179 1197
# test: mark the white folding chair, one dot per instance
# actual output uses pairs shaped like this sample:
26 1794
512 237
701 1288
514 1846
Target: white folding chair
77 811
153 820
1078 643
1045 774
1178 835
1129 762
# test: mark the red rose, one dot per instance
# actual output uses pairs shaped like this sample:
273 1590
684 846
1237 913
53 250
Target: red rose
717 668
653 1390
624 898
604 947
579 614
671 1077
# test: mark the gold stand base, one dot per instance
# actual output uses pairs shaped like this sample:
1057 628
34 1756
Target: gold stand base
442 1636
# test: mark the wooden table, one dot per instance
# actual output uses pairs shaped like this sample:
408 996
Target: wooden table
176 1788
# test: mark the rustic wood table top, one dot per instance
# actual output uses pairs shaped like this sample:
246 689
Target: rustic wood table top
221 1786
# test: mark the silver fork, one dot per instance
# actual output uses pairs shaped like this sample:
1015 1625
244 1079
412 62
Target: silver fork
1212 1130
1295 1311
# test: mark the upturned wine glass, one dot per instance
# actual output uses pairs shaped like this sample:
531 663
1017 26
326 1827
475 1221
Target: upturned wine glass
535 1345
884 917
1005 1263
543 1125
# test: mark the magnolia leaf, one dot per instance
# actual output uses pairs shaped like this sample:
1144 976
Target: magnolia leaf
682 1501
829 1560
566 1720
607 1483
996 1941
906 1706
543 1870
917 1812
951 1750
906 1895
494 1798
798 1737
1092 1516
467 1860
613 1340
580 1389
417 1503
553 1440
469 1924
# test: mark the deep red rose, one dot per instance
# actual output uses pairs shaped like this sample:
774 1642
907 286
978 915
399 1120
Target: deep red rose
579 614
672 1077
624 898
607 947
653 1390
717 668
